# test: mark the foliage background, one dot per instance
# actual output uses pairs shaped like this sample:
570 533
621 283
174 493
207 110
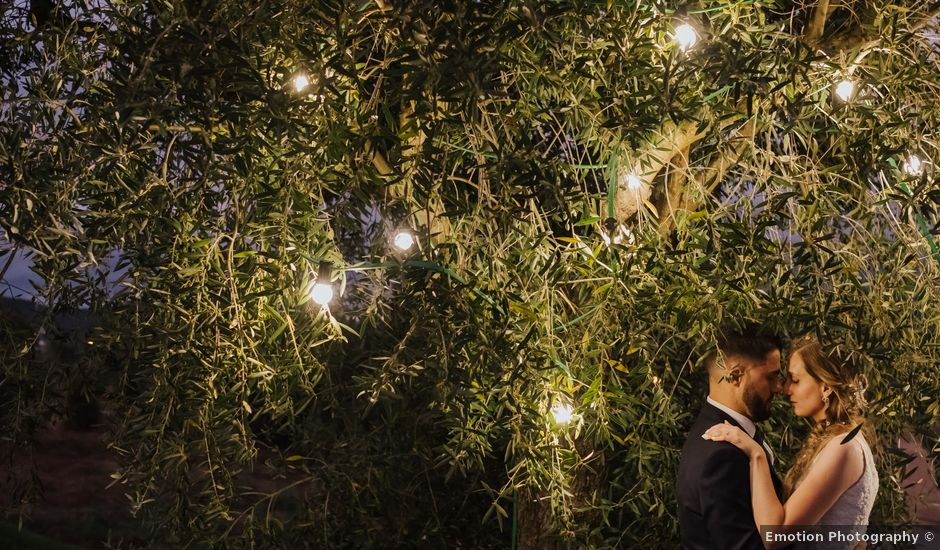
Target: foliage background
164 140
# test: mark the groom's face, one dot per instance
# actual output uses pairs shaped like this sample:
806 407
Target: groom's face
759 384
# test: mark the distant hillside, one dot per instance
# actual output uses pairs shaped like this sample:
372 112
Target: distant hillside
29 312
20 310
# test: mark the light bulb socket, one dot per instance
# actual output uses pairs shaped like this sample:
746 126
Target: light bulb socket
324 272
610 225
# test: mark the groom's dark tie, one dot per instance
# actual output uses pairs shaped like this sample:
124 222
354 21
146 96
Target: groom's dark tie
759 438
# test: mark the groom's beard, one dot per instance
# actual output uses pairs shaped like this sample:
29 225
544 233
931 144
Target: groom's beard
759 409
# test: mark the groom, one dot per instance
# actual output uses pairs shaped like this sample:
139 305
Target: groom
714 486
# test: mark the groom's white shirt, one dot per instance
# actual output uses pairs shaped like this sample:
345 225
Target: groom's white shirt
745 423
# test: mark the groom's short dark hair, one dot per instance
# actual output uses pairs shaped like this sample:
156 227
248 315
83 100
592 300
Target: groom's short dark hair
751 342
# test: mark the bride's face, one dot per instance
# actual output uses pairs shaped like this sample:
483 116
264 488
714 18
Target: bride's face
804 391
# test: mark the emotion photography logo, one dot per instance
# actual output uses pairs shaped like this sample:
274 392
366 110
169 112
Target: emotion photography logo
879 536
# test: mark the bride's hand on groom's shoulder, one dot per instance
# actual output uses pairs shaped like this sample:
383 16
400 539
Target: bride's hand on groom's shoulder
736 436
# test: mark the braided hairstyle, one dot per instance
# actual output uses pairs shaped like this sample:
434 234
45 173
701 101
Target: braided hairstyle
838 370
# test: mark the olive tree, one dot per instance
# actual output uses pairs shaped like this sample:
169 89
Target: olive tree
592 189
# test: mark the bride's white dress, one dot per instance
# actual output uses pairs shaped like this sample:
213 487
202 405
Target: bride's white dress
855 504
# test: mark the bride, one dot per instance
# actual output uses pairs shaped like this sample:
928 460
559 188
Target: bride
833 481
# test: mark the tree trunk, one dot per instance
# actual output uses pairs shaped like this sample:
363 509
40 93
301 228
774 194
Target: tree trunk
537 527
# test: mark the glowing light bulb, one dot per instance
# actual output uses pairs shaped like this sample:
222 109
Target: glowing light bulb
301 82
404 240
562 412
620 235
845 89
634 183
686 36
913 166
322 293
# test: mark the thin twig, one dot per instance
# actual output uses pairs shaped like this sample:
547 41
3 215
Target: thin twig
6 266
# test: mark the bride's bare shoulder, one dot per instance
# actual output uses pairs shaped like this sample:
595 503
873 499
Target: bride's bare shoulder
837 453
842 440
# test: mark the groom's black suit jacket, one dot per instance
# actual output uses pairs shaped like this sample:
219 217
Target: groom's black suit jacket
714 490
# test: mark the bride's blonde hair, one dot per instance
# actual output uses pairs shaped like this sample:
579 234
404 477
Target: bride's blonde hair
838 370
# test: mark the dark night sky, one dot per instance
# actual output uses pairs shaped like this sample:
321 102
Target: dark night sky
15 283
18 280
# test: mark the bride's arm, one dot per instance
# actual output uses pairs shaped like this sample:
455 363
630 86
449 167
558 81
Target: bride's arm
767 507
835 470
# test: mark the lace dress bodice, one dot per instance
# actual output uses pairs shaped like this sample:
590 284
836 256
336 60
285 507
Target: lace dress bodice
855 504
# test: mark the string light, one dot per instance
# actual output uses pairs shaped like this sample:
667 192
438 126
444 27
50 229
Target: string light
913 166
634 183
404 240
562 413
845 89
685 35
322 291
616 234
301 81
